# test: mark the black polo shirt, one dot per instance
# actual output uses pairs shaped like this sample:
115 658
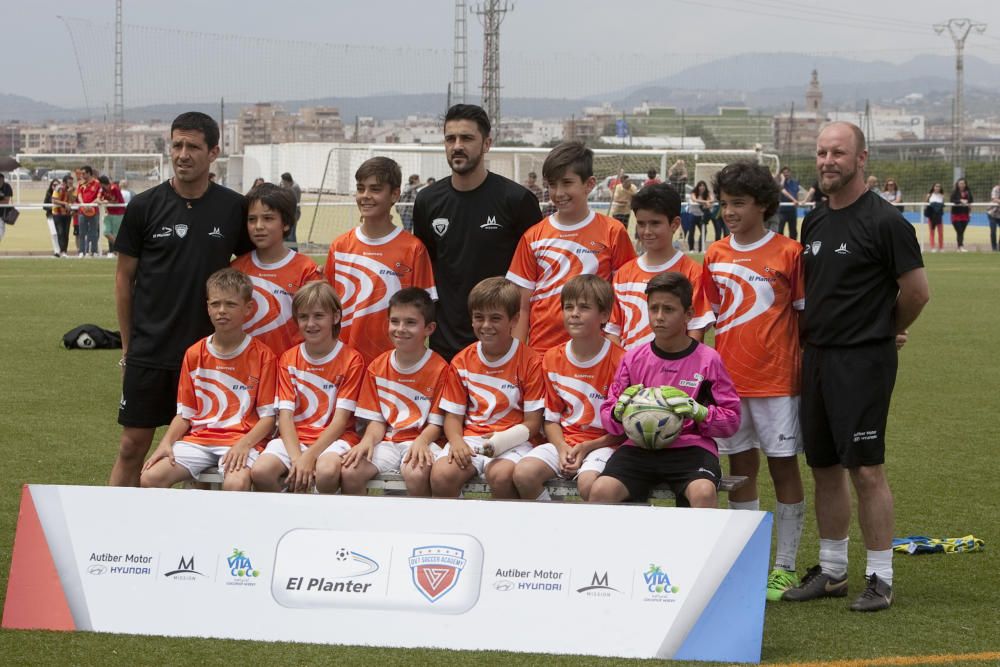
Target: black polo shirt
852 258
179 243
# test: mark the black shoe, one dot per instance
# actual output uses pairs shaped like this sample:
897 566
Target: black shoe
814 585
876 596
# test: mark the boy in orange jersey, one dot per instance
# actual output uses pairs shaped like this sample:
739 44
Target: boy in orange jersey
753 282
370 263
318 385
571 242
400 399
577 375
657 211
276 271
225 397
493 400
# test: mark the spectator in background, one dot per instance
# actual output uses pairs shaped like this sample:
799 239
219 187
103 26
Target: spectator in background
788 211
651 178
62 211
621 200
892 194
111 194
48 216
961 197
814 196
257 181
87 195
126 193
404 207
430 181
699 207
677 176
934 212
872 184
993 214
5 194
289 183
532 185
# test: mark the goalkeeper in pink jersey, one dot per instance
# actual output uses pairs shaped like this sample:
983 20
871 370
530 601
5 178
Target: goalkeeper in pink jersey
694 382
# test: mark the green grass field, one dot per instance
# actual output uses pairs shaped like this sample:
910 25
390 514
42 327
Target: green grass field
57 426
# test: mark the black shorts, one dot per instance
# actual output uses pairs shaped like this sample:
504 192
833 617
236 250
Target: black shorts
845 403
642 469
149 397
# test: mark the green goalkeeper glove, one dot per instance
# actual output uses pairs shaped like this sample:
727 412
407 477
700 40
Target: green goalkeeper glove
688 407
623 401
672 392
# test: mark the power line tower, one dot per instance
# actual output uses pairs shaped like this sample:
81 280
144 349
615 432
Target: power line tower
460 52
491 14
959 29
118 120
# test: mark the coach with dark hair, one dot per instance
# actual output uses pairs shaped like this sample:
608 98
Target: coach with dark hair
172 238
864 285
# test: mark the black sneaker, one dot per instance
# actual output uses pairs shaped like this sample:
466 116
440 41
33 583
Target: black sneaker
876 596
814 585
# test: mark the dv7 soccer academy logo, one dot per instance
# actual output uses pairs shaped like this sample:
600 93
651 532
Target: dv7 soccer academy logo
436 570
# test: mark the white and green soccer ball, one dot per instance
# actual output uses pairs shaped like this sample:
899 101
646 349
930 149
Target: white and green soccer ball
649 422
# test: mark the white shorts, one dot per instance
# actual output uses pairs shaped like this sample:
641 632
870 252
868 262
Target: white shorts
770 424
277 448
199 458
549 455
480 462
388 456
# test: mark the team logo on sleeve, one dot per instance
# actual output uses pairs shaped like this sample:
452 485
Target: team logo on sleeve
440 226
436 570
816 246
181 230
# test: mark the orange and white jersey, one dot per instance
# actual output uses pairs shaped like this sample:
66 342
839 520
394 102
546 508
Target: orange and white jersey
753 291
405 399
223 396
550 253
366 272
274 285
630 319
312 389
574 389
494 395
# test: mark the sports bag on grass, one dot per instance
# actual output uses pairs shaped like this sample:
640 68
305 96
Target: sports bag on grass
91 337
10 215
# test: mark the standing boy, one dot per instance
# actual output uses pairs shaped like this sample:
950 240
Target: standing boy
753 284
694 382
277 272
573 241
657 211
370 263
225 399
494 398
400 398
577 375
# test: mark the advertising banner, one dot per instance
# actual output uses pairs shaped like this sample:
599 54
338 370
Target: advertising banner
632 581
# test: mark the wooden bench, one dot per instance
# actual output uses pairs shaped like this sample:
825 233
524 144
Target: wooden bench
393 484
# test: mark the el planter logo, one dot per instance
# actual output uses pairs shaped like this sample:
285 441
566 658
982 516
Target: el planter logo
373 570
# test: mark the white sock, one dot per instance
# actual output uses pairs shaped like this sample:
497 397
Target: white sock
880 563
544 495
833 557
789 519
745 505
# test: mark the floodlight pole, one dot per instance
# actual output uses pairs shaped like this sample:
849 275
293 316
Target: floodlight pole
958 29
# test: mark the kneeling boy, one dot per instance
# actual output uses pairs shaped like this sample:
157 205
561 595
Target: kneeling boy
225 397
694 381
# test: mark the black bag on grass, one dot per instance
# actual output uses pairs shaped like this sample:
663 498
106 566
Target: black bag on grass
91 337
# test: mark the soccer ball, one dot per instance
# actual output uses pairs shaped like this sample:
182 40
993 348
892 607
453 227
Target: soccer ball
649 422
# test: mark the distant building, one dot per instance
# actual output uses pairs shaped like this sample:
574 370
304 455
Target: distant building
795 132
883 124
267 123
50 139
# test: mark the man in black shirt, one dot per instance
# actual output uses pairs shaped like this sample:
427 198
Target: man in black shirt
864 285
173 236
470 222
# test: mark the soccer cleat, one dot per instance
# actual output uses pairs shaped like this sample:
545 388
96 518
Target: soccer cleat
876 596
815 584
778 582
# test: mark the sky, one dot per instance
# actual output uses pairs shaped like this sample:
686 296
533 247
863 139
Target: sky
185 50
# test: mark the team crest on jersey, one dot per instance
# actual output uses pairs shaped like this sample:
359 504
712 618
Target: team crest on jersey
436 569
598 246
440 226
491 223
816 246
402 269
181 230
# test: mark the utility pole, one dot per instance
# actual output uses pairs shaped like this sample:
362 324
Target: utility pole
959 29
119 112
459 52
491 14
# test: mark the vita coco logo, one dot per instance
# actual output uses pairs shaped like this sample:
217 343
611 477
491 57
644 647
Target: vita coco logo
658 586
241 570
